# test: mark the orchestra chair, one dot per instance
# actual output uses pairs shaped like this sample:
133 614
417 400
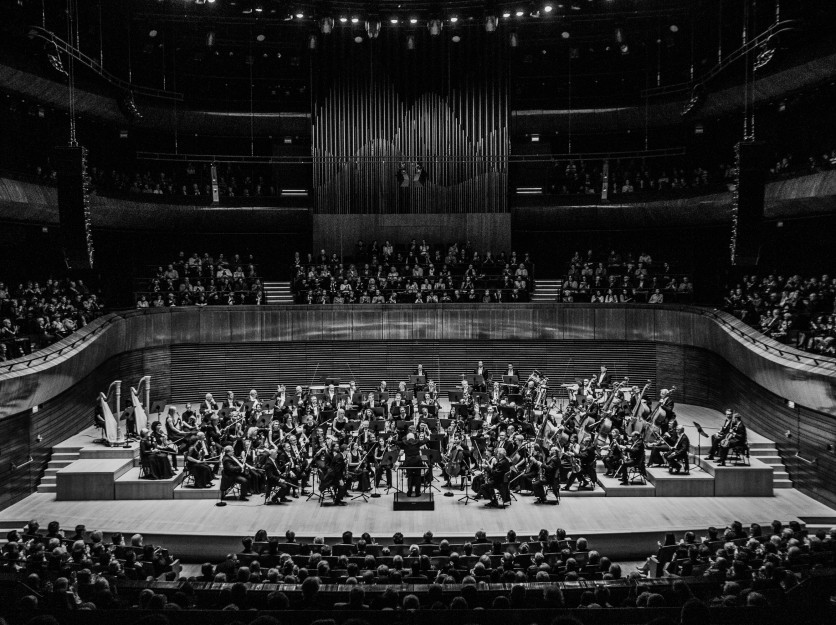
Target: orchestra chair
327 492
739 455
188 480
232 487
99 423
637 471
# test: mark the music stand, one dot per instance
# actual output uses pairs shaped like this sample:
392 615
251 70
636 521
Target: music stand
158 407
417 380
330 381
391 457
510 380
467 497
702 434
432 457
454 396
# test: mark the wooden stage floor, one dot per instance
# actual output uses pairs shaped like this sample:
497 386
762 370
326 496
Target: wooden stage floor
194 528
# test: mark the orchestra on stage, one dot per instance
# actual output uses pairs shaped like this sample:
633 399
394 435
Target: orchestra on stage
501 436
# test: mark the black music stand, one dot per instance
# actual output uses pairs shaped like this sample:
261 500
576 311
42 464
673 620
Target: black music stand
316 474
482 397
158 407
431 458
391 457
417 380
467 497
701 433
330 381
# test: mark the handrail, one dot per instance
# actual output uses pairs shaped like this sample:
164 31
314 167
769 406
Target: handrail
78 55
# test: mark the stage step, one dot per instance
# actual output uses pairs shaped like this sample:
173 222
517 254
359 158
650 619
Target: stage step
57 461
696 484
612 487
598 492
189 492
277 293
130 486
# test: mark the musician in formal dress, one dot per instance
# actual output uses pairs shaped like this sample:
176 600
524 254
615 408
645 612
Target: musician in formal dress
659 447
196 462
613 459
419 371
385 456
277 484
736 437
678 456
665 408
156 464
250 457
717 438
603 380
634 457
548 476
330 401
162 445
209 404
335 474
496 481
486 377
510 370
399 409
180 433
189 418
233 473
584 469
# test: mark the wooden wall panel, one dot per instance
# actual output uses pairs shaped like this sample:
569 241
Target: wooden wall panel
579 323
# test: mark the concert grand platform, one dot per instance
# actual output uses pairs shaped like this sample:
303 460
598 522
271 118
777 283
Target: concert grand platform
193 527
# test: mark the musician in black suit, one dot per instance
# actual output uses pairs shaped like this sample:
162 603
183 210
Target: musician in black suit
634 458
678 455
735 438
548 477
276 482
419 370
719 436
604 379
334 477
411 447
496 480
233 473
510 370
486 377
331 398
399 408
209 404
196 464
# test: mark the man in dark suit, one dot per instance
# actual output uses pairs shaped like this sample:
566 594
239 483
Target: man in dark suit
331 397
233 473
399 408
678 455
496 480
719 436
550 475
634 458
735 438
276 483
486 377
510 370
604 378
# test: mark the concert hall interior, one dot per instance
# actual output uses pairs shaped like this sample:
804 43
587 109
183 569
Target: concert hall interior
346 311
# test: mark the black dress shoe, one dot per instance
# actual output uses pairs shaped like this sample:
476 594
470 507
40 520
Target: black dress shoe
285 500
492 504
243 499
624 483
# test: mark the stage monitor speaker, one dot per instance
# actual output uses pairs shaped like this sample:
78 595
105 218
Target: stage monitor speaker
747 222
74 206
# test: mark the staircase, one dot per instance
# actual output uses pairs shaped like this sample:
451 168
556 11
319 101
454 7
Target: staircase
277 293
60 458
767 453
545 291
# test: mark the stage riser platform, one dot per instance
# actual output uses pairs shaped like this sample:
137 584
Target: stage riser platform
740 481
90 479
130 486
697 484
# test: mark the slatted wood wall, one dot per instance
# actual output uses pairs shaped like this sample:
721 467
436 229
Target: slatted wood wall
197 369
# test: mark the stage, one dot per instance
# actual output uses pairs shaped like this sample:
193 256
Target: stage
624 527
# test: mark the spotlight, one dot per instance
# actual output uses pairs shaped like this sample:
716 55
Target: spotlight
413 20
358 39
619 35
326 25
152 33
456 39
435 26
343 20
211 1
393 20
674 28
513 41
410 42
354 20
625 49
259 10
548 8
491 22
565 34
506 14
312 42
373 28
454 19
520 13
210 39
260 37
299 16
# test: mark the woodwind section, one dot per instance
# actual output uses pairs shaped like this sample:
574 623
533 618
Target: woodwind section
410 131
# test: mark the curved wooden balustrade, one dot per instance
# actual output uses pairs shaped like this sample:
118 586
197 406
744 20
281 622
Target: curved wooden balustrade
791 374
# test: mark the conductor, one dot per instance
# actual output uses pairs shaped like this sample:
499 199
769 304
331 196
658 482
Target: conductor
412 458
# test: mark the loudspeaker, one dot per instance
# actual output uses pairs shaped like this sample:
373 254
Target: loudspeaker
74 206
747 218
